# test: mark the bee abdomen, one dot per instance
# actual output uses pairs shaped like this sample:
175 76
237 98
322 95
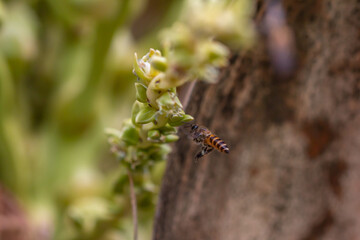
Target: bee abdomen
217 143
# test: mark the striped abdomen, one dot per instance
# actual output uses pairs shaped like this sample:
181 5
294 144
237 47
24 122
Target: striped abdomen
217 143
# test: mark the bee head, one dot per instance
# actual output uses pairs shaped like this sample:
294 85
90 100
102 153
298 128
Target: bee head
194 127
191 127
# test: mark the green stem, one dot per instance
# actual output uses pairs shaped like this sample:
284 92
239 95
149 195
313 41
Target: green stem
133 205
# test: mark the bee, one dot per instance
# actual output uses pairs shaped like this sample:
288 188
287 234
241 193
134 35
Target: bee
208 140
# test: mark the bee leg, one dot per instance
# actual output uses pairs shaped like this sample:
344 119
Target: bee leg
205 150
197 139
199 155
208 149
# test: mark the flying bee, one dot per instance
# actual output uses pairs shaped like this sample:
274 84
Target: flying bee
208 140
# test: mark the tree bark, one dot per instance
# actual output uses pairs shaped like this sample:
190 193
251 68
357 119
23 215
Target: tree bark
293 171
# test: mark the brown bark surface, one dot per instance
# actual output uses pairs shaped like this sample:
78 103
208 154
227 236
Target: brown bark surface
293 171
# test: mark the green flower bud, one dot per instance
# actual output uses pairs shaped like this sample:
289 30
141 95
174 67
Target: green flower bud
153 91
186 118
140 92
159 63
160 119
146 115
154 134
130 135
166 100
167 129
158 82
176 118
135 110
177 101
171 138
166 81
164 149
149 126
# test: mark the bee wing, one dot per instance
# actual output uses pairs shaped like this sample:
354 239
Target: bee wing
206 132
187 125
186 128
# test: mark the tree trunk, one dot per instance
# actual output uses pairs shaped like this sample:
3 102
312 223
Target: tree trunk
293 171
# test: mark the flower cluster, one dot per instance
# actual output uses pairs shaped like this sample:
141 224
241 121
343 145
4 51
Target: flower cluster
157 109
155 114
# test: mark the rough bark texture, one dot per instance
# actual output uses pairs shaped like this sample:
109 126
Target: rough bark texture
293 171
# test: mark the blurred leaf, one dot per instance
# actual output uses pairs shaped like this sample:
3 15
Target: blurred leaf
2 13
120 184
18 33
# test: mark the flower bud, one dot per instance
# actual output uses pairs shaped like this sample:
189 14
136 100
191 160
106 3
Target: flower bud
140 92
159 63
145 115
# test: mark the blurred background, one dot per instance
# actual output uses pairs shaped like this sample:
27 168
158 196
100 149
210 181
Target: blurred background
65 75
